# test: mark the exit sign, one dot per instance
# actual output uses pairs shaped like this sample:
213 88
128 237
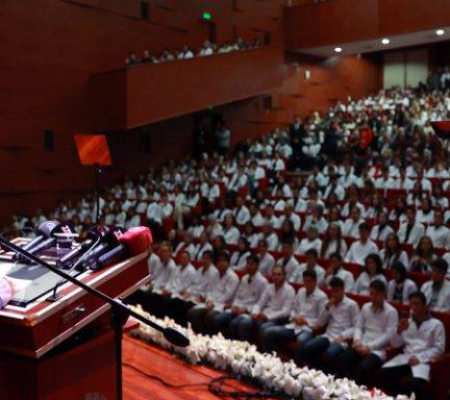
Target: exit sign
207 16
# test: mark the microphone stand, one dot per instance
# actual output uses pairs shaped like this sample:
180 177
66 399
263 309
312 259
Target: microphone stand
120 311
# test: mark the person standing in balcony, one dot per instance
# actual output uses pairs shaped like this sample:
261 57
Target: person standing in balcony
223 138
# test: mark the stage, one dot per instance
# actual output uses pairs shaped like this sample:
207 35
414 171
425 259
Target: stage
155 361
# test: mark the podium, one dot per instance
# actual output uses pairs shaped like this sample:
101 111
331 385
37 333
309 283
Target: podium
65 349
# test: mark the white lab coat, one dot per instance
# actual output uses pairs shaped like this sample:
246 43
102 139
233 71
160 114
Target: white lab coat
181 279
297 277
308 307
307 244
417 232
425 342
443 301
204 279
409 287
290 267
249 293
266 264
375 329
222 289
340 319
359 251
275 304
363 282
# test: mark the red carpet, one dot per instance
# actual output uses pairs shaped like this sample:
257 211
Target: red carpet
154 361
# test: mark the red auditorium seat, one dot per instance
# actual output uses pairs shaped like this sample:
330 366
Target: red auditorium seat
355 269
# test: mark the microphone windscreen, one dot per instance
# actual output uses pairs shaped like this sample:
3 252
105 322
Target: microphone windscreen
47 228
137 240
176 338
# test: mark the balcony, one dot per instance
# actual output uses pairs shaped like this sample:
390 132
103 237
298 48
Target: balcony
144 94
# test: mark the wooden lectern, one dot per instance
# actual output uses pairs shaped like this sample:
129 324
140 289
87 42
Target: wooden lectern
64 350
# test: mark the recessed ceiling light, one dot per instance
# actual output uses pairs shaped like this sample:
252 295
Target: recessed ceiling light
338 49
385 41
440 32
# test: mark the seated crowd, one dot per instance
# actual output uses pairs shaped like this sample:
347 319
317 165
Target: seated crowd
251 246
208 48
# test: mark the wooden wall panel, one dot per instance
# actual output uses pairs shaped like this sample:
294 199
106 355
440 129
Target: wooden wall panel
342 21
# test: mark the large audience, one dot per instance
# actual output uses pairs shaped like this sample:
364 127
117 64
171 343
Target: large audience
322 264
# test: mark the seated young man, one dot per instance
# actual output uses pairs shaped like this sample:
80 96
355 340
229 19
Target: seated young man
377 323
309 265
336 270
249 292
196 293
289 263
183 277
437 290
339 317
308 305
360 249
422 338
273 308
162 272
220 292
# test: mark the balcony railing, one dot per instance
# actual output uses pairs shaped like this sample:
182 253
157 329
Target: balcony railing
148 93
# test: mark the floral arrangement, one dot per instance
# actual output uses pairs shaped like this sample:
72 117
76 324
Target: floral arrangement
269 370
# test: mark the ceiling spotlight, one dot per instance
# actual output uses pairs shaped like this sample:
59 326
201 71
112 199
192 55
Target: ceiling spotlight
385 41
338 49
440 32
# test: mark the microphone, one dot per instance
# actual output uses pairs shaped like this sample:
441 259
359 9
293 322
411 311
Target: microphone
133 242
109 239
48 237
43 232
175 337
94 234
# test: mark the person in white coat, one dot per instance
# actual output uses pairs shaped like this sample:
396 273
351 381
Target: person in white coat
230 233
411 231
182 278
360 249
309 265
422 338
311 241
351 225
266 260
437 290
339 317
249 292
220 292
438 232
393 252
309 304
238 260
382 230
162 272
373 271
241 212
377 323
336 270
274 305
400 286
288 261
